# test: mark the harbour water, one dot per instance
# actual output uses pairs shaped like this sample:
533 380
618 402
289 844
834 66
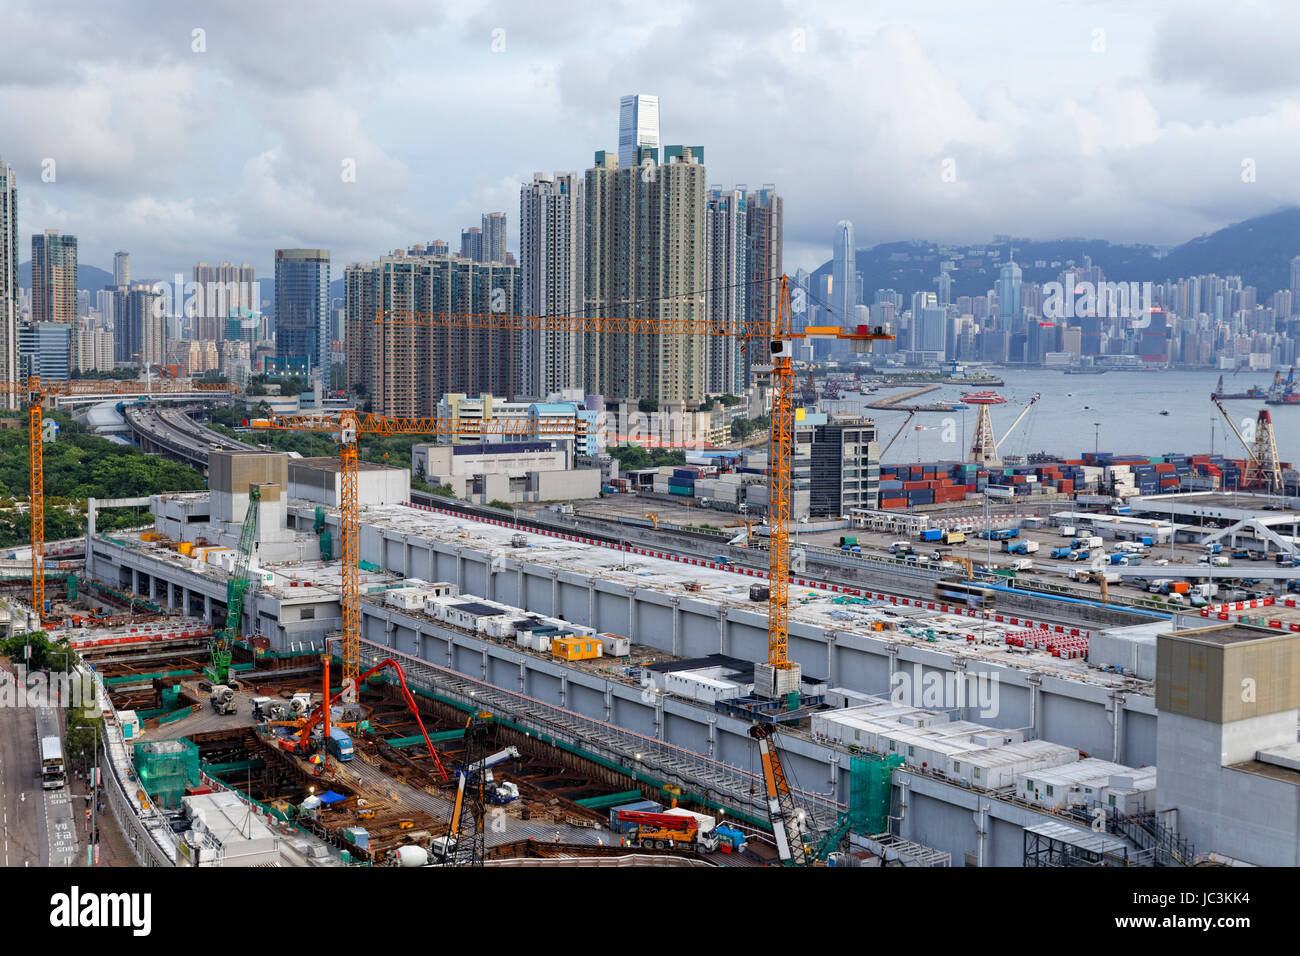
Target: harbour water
1118 412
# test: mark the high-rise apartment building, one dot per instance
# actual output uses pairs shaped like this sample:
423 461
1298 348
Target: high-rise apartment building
728 253
550 266
764 225
219 290
8 282
54 277
139 328
638 128
485 242
646 234
403 369
302 299
121 268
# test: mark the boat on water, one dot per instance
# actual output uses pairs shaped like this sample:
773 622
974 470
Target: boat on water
983 398
1164 411
1254 393
1085 370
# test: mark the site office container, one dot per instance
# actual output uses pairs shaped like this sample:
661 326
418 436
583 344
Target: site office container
574 648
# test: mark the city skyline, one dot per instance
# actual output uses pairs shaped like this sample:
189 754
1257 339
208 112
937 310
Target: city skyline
1150 111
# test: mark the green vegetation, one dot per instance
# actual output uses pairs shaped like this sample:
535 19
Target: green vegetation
289 384
633 457
45 653
728 400
442 491
742 428
647 405
82 733
502 505
78 466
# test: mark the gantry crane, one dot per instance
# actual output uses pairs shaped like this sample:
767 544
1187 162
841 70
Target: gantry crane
36 391
779 676
348 425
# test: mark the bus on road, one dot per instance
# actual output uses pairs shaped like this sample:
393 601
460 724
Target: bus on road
53 772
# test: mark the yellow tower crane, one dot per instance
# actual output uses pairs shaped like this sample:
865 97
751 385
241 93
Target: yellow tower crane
37 392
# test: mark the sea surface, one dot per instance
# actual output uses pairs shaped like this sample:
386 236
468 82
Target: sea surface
1116 412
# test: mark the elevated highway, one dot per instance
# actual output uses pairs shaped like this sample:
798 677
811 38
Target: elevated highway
171 432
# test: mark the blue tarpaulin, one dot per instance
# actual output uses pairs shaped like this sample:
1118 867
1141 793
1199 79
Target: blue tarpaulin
329 796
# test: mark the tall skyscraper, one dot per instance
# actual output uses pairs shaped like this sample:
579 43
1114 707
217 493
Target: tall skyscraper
302 299
54 277
1009 296
728 241
844 276
220 289
550 265
1295 281
646 257
638 127
764 225
8 282
121 268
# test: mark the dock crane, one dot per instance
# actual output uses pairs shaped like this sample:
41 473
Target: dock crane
37 391
1263 468
984 447
218 671
778 675
347 426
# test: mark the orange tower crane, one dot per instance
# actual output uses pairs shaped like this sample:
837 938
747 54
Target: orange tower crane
348 425
780 675
36 392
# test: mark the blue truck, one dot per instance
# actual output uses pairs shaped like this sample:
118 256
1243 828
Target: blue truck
1060 552
339 744
932 534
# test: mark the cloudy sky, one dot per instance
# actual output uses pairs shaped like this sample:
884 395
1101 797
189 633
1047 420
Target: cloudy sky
221 130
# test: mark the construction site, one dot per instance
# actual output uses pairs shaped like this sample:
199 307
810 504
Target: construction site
316 671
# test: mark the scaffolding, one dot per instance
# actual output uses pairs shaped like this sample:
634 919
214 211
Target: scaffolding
165 768
870 792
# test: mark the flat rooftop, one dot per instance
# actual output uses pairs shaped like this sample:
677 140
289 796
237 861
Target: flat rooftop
934 629
333 464
1224 636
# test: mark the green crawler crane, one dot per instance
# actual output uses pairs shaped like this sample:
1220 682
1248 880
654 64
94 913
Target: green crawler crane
218 671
